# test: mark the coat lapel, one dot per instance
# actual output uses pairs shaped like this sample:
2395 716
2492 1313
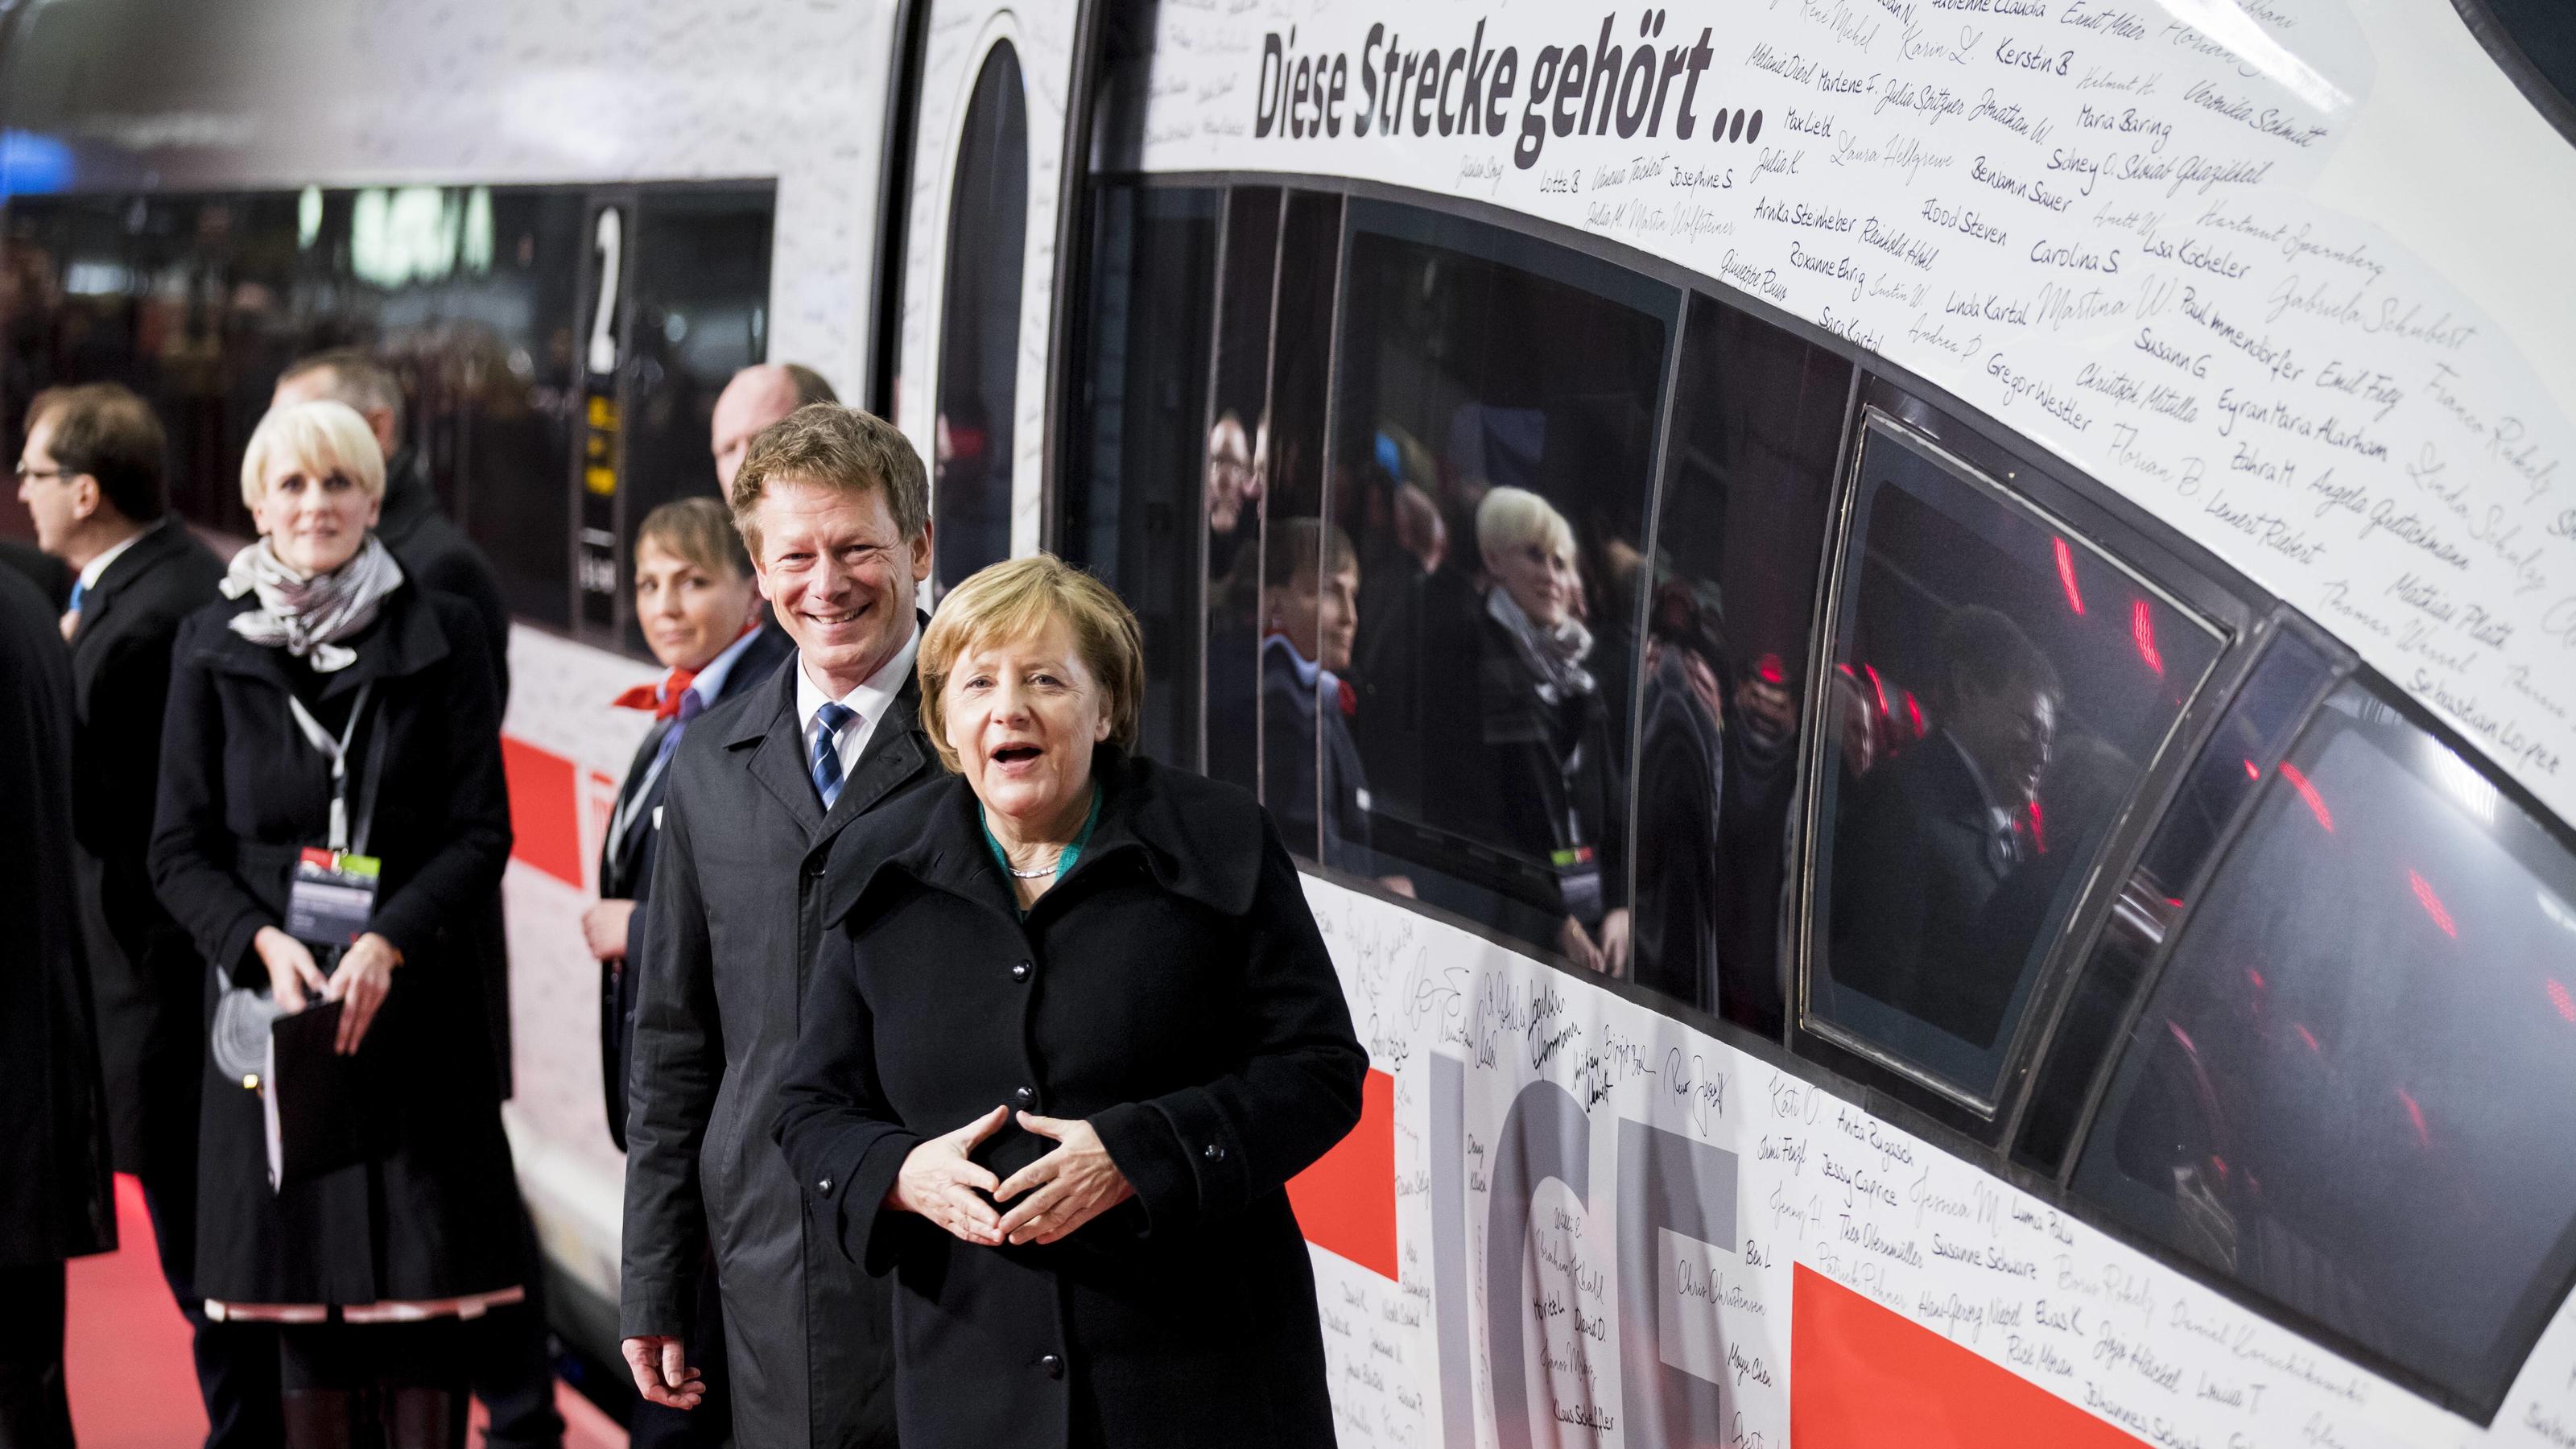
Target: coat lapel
776 746
895 753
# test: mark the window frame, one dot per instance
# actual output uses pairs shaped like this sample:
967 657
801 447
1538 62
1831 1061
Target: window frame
1968 455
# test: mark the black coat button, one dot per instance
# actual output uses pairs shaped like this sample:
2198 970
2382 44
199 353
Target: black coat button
1020 972
1028 1096
1053 1365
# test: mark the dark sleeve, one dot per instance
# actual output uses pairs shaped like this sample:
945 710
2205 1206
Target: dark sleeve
841 1138
192 850
114 754
676 1067
1880 889
455 881
618 988
461 570
1204 1153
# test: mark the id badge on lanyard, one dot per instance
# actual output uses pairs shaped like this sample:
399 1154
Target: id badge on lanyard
331 892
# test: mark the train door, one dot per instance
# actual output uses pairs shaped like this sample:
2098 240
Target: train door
985 188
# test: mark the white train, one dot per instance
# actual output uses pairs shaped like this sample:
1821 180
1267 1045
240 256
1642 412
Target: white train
1918 647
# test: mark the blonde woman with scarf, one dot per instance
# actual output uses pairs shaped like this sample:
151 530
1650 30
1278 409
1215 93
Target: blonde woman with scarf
333 740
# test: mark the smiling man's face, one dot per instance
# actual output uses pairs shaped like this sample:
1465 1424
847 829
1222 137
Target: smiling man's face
841 575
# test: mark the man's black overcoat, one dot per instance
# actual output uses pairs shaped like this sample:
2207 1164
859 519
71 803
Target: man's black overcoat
732 923
1173 990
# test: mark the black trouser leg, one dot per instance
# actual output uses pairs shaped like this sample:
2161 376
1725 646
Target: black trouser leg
35 1408
512 1371
236 1362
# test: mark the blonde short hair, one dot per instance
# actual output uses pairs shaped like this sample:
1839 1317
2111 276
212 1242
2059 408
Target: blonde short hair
1016 599
319 437
842 448
1511 517
700 533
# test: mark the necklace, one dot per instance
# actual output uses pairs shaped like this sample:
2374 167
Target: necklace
1032 874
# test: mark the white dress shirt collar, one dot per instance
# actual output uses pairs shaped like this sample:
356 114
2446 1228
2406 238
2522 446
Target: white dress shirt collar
96 568
870 701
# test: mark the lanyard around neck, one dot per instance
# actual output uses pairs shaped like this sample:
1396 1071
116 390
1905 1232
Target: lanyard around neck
338 752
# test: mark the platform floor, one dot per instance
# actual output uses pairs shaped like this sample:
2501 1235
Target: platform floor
126 1353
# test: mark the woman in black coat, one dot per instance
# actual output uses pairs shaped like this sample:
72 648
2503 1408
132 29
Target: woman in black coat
1072 1033
320 643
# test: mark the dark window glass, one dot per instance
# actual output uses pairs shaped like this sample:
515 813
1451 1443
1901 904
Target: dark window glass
1758 417
701 303
2248 739
2349 1088
979 329
198 302
1494 440
1237 468
1999 686
1130 486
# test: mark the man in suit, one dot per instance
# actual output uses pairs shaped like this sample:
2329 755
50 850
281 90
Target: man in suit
91 474
55 1199
835 508
513 1373
1927 837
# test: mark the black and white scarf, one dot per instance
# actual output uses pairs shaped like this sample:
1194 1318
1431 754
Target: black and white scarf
308 617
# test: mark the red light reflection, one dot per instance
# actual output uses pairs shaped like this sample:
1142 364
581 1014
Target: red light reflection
2432 905
2066 575
2423 1134
2038 828
1878 687
2251 773
2559 998
2309 1037
2142 628
2316 802
1914 713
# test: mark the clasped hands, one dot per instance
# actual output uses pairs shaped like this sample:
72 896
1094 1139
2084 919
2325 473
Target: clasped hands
360 982
1055 1195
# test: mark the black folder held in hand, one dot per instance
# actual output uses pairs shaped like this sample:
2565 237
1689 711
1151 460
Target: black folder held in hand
315 1098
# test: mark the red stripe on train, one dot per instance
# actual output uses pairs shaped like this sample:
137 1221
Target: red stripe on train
545 810
1346 1201
1864 1377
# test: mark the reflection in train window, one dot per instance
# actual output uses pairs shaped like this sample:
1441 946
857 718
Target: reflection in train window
979 326
2349 1089
1999 686
1265 615
1495 430
1758 417
1237 464
1129 493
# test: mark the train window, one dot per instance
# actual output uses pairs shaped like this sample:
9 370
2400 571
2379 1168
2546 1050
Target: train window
1129 495
1237 466
1749 475
979 328
700 297
2348 1089
1496 415
1999 686
2249 738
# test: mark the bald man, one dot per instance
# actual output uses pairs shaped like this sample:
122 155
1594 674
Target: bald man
758 396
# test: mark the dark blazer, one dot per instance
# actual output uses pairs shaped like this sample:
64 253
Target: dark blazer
1912 870
51 576
1174 991
434 1213
150 980
626 868
55 1201
735 915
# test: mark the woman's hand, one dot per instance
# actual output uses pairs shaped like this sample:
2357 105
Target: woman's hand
1577 945
939 1181
1072 1185
1616 930
603 929
359 984
291 972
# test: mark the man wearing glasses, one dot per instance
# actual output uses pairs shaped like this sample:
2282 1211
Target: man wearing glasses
91 474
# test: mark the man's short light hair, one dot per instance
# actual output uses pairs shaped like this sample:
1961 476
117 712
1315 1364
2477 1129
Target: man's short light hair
1512 517
318 438
356 378
1016 599
840 448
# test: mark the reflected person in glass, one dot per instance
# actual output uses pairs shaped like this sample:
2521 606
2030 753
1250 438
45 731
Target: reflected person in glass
1546 731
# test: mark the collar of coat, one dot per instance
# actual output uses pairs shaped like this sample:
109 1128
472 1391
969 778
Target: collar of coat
159 543
761 729
1198 838
405 640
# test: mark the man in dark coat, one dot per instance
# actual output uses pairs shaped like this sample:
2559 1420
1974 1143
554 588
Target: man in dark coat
835 509
55 1197
513 1374
92 469
46 572
1925 839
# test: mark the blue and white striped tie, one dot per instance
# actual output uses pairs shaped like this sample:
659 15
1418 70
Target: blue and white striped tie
834 717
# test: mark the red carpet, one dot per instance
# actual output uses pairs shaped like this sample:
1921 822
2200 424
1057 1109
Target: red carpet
126 1353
